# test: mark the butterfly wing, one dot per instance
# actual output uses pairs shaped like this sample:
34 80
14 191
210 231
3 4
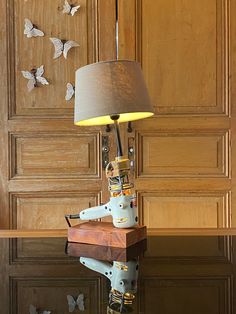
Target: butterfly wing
39 77
28 75
66 7
69 91
36 33
39 71
28 28
67 46
32 309
58 45
31 84
74 10
80 302
42 80
71 303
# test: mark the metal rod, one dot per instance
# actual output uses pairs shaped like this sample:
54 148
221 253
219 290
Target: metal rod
115 118
68 217
117 32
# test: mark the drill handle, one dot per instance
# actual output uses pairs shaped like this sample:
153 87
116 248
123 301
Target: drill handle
95 212
101 267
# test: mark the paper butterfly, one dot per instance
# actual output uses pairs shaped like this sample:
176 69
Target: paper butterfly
31 30
73 303
70 91
62 46
70 9
34 76
33 310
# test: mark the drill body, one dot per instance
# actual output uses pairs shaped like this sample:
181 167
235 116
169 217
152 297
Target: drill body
122 205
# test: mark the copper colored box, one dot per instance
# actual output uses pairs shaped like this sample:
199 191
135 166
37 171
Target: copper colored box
104 233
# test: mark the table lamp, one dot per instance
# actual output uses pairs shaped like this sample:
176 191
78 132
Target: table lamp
112 92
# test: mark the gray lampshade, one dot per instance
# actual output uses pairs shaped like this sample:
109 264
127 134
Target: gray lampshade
110 88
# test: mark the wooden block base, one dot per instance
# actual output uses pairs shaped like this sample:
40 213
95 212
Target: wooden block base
104 233
107 253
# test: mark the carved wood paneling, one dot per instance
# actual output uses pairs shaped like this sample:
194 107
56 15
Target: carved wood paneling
200 249
205 295
48 293
55 155
47 210
39 251
180 154
184 210
184 54
27 53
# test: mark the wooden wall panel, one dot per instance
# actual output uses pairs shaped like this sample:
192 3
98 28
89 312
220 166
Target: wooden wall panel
183 48
27 53
43 151
203 295
35 251
106 18
4 168
46 211
51 294
232 37
55 155
184 210
178 154
191 249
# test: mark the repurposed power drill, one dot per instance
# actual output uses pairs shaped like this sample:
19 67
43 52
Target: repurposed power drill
123 277
122 204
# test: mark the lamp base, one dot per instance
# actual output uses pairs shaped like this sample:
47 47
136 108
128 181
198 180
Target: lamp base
104 233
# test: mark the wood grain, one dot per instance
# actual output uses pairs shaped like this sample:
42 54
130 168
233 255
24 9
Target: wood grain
190 49
58 233
55 155
26 54
4 92
51 293
177 154
105 234
186 293
232 35
47 210
186 147
196 209
44 151
107 253
185 48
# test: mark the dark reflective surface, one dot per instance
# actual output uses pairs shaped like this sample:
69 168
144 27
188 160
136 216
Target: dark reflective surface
176 275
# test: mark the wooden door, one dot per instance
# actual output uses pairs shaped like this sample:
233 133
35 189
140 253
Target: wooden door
184 157
49 167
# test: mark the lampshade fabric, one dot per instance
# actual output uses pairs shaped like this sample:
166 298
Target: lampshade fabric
110 88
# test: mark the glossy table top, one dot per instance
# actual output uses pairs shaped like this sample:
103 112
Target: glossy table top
58 233
176 274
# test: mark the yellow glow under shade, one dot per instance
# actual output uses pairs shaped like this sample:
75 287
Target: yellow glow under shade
124 117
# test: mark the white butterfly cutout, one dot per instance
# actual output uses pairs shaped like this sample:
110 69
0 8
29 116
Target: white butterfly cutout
70 91
78 302
34 76
62 46
31 30
33 310
70 9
